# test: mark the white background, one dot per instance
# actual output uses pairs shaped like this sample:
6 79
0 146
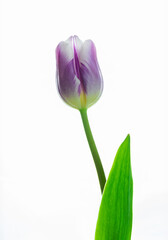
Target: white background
48 183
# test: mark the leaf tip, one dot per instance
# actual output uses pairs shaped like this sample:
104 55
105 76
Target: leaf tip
127 139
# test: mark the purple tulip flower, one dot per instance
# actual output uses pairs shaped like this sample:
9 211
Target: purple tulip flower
79 78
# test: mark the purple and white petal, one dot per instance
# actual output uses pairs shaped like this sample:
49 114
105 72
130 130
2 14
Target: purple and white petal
91 75
68 84
77 44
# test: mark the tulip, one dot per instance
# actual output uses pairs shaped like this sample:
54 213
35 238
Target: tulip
80 84
79 78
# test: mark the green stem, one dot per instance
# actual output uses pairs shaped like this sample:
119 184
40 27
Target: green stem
92 145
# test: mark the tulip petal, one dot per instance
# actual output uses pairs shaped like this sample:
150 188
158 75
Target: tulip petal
64 49
91 76
68 83
78 43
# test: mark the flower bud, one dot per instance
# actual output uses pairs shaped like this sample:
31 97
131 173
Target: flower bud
79 78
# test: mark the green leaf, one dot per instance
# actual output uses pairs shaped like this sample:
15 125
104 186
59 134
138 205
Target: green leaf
115 214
